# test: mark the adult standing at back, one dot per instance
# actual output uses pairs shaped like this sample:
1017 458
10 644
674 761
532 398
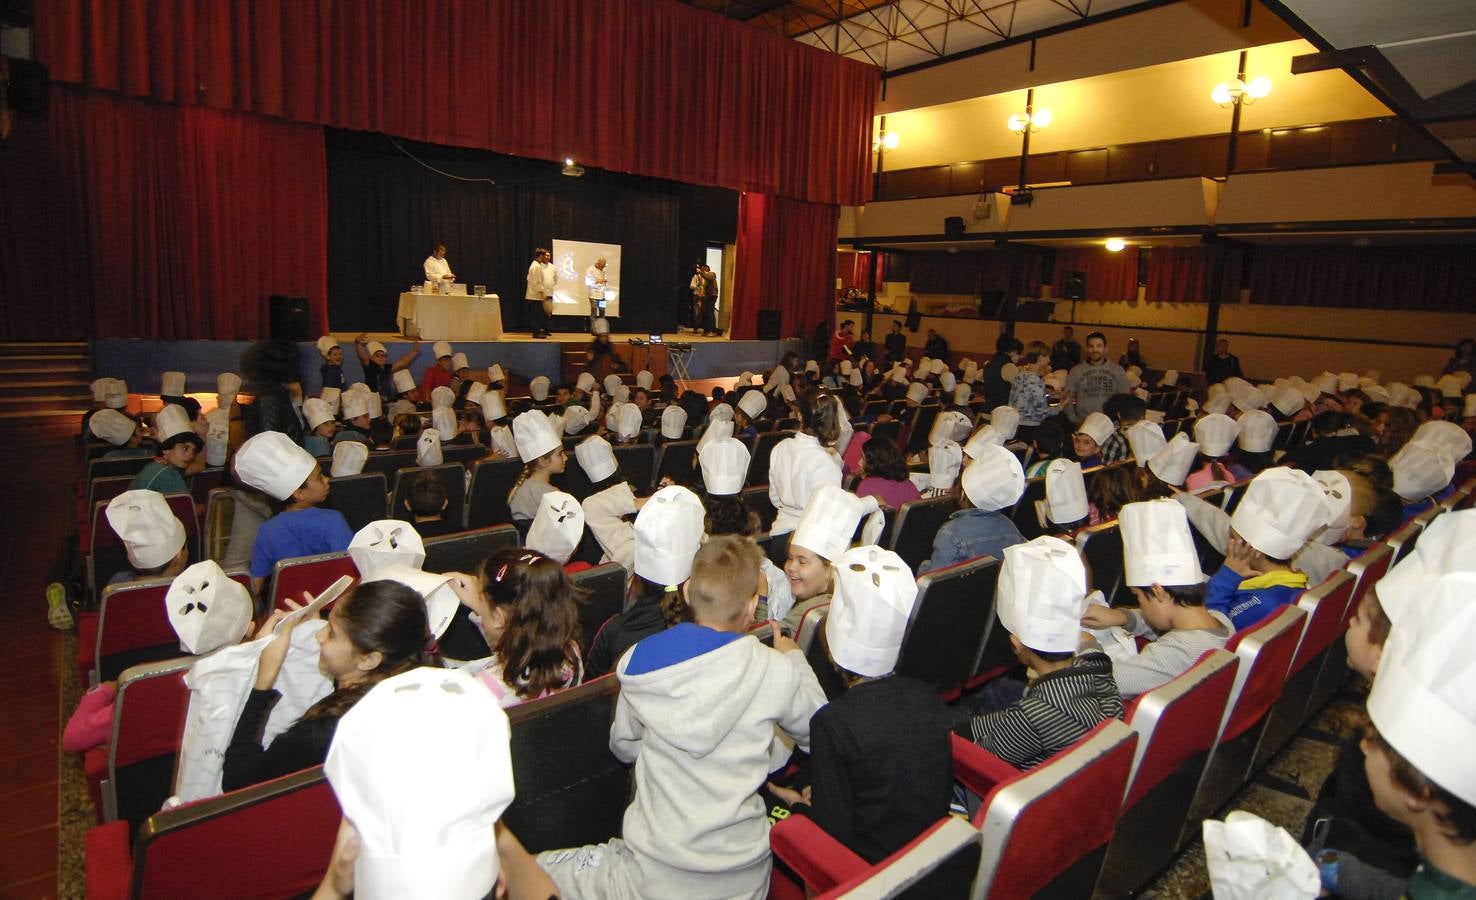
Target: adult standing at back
896 343
1066 352
1092 381
707 309
1223 364
541 281
996 386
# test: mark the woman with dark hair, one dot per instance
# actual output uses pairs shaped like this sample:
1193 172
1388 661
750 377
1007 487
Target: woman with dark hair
1464 359
884 475
272 368
376 630
801 464
530 619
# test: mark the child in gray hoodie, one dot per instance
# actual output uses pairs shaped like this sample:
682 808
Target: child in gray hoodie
700 711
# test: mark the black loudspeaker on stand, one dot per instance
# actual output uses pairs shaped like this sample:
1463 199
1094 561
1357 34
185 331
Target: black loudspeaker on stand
289 318
770 324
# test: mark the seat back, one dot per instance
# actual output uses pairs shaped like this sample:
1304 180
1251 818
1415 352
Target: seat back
1026 519
817 652
1326 606
205 481
940 862
950 623
571 790
116 467
465 551
307 574
220 509
148 720
388 462
491 482
452 477
133 625
922 423
1101 548
917 522
466 454
775 546
361 498
1403 541
1265 651
1046 831
604 596
756 498
758 466
638 463
101 490
677 460
184 852
809 626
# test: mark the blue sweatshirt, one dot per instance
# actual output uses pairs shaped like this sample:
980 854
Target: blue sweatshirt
1246 601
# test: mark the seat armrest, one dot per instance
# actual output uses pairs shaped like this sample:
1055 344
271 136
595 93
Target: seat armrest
820 860
109 862
978 769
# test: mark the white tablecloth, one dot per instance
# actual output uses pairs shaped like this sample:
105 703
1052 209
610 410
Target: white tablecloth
453 317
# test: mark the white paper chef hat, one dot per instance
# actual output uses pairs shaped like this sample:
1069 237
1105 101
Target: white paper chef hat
375 347
645 379
944 461
830 520
753 404
1422 700
1157 547
444 421
1250 859
325 344
1257 431
172 384
576 419
442 398
355 404
962 394
1145 438
495 374
1216 405
1377 393
1215 433
1421 470
217 436
949 425
1309 392
459 362
939 366
556 422
1444 547
422 769
151 534
716 428
946 382
777 378
994 480
1246 397
596 458
1133 379
844 431
898 374
1288 400
1169 379
1066 494
387 542
1446 435
376 405
99 388
984 437
111 426
331 396
1449 386
627 420
924 365
404 381
1042 594
668 531
621 395
171 421
1424 381
744 379
538 388
557 528
855 378
117 397
917 392
1337 494
1470 406
207 609
441 349
1326 383
612 381
1005 420
585 382
845 367
492 406
1347 381
428 448
274 464
1097 427
227 386
1172 463
673 422
1280 511
476 392
534 435
724 462
349 458
874 592
441 602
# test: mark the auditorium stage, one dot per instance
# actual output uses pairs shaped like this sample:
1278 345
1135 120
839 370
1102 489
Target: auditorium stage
140 361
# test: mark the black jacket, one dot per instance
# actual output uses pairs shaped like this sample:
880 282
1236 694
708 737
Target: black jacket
302 746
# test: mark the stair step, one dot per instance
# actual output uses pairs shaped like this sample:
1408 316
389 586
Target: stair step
37 414
52 370
50 384
30 348
47 401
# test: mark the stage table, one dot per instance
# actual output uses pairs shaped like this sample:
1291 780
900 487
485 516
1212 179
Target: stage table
451 317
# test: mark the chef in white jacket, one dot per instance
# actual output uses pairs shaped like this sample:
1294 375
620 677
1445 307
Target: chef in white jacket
800 465
437 269
541 281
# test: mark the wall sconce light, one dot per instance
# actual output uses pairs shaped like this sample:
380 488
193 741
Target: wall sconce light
1241 92
1035 120
885 140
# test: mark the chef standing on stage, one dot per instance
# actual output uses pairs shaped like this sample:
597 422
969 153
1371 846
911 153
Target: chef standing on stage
596 279
437 269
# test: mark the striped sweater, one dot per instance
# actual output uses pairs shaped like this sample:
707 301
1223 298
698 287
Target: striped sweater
1167 656
1053 713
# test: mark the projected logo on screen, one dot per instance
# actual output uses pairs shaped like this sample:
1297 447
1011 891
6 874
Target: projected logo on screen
574 260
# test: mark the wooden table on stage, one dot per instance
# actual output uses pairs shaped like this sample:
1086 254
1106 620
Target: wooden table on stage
452 317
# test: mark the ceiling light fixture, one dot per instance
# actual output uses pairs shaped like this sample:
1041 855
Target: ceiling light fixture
1115 245
1241 92
1034 119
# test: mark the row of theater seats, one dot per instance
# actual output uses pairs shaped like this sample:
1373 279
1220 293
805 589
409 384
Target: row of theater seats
1101 818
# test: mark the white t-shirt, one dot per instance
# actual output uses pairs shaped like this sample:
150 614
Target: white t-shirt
436 269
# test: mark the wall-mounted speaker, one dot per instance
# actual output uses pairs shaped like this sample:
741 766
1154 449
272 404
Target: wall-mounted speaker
1074 285
1048 267
289 318
29 87
770 324
953 227
1143 254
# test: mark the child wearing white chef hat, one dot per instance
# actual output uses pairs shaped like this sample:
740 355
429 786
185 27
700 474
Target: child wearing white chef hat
1161 566
1281 509
439 373
992 484
152 536
1040 600
699 704
378 370
331 371
176 456
543 457
286 473
825 531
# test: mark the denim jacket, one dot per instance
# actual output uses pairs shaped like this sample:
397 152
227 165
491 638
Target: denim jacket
969 533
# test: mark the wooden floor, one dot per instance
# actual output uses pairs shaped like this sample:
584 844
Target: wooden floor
37 471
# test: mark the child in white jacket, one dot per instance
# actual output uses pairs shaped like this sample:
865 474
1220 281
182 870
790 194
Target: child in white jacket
700 708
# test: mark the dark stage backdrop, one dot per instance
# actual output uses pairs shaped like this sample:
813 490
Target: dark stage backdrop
387 210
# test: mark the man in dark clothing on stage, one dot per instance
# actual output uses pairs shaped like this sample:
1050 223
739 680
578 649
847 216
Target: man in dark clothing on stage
1066 352
1223 364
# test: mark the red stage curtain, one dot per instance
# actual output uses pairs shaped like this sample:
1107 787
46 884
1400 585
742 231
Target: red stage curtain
1416 277
1109 276
171 222
650 87
786 261
1179 274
